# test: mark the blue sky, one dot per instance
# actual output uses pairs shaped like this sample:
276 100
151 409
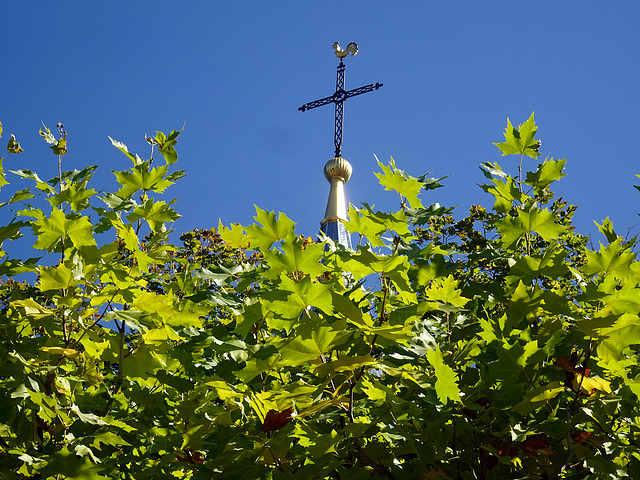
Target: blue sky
234 73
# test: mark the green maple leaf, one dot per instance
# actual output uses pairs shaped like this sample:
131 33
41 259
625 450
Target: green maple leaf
445 290
525 302
151 303
68 465
271 230
367 262
19 196
58 226
547 172
399 181
535 220
127 234
166 145
305 293
506 193
142 177
538 397
395 222
76 195
313 338
607 230
420 216
123 148
3 177
614 259
40 184
294 258
520 141
155 213
55 278
233 235
446 378
360 221
550 263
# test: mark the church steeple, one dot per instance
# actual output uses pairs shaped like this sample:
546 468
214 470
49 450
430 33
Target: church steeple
338 170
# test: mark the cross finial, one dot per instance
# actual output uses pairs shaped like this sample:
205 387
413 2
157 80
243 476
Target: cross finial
340 95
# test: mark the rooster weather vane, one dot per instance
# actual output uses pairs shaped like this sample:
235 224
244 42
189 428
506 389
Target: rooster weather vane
340 94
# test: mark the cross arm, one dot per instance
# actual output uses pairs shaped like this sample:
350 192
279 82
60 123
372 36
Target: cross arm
316 103
340 96
361 90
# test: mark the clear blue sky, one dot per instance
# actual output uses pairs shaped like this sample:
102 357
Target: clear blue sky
236 72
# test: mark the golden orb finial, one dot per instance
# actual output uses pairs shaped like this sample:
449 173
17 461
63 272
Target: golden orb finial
339 168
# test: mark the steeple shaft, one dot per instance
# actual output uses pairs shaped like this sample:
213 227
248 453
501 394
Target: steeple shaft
337 171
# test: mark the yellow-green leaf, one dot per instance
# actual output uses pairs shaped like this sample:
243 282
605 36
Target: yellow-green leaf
446 378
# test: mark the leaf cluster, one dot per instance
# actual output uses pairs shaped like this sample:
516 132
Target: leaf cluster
498 345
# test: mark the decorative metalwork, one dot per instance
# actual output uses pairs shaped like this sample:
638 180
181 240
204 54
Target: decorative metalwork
340 95
352 49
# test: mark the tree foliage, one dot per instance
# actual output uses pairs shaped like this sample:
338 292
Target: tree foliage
494 346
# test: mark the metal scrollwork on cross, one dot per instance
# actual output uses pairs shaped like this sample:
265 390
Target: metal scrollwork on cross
340 95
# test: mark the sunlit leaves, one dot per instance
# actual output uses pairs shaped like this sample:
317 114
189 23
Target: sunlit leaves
492 346
613 259
58 146
59 227
40 185
76 195
13 146
55 278
533 220
142 177
272 229
506 193
521 140
547 172
395 179
373 225
538 397
607 230
295 257
591 384
234 235
156 213
445 290
123 148
362 222
166 145
85 303
307 293
313 339
3 180
47 135
446 381
550 263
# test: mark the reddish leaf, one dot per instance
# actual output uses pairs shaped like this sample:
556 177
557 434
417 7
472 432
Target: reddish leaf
566 364
190 456
276 420
587 438
536 444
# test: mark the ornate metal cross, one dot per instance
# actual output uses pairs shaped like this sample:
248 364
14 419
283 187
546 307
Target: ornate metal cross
339 97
